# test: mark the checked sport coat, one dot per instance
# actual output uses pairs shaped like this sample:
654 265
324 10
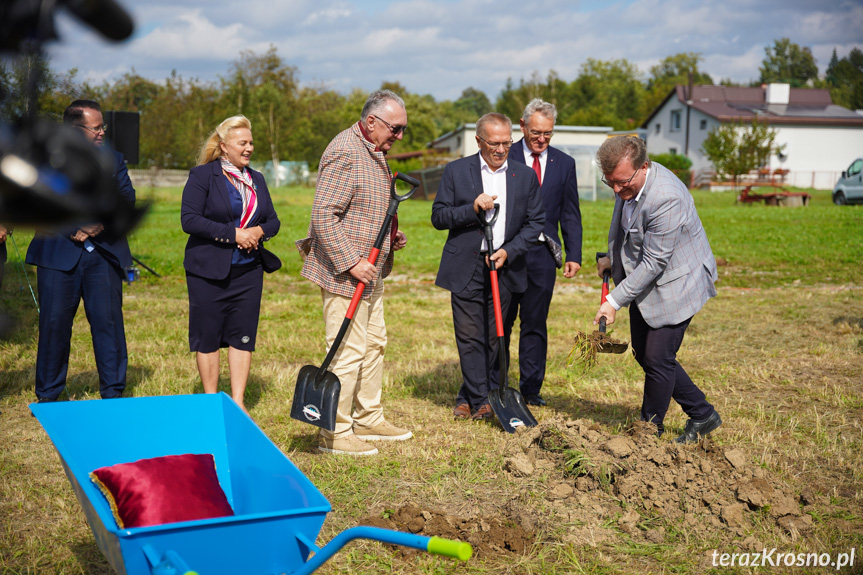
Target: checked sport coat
349 208
662 260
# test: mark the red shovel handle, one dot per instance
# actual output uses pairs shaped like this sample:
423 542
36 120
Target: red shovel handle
358 293
605 278
495 298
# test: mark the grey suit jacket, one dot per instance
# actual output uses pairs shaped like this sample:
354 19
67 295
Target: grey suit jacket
662 260
453 210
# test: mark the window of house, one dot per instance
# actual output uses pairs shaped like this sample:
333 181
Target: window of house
675 121
672 151
658 128
703 124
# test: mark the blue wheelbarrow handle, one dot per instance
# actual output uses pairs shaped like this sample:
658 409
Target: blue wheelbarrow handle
437 545
170 562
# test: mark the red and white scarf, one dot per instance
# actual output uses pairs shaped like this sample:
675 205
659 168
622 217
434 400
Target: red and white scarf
242 180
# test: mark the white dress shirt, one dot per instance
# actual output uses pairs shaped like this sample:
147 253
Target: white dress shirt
494 184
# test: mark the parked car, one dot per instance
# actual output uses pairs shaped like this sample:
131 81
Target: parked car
849 188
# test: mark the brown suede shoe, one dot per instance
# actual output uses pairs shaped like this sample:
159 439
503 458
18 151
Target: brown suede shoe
461 411
484 412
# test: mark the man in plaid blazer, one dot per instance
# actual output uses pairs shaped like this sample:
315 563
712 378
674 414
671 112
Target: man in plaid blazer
351 199
664 270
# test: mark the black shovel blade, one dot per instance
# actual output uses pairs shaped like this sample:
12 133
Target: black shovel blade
316 403
511 410
606 347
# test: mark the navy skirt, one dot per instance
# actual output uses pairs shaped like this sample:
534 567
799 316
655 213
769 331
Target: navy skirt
225 312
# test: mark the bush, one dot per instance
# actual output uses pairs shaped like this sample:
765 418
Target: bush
677 163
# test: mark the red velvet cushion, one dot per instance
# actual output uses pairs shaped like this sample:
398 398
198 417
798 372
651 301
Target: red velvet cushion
163 490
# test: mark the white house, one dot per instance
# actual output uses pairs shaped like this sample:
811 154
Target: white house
580 142
820 138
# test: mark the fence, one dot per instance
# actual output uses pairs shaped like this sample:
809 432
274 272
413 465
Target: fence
158 178
815 179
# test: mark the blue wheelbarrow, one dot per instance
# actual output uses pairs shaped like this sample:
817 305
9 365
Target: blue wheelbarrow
278 512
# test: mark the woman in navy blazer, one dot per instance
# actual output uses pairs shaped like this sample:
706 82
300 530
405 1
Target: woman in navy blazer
228 213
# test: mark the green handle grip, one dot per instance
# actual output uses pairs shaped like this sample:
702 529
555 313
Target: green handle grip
450 548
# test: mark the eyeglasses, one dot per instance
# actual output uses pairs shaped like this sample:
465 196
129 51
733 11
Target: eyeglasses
396 130
536 134
621 184
496 145
99 130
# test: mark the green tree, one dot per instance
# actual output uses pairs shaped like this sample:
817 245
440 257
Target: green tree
678 163
470 106
28 87
735 149
264 89
788 63
670 72
512 100
844 78
606 93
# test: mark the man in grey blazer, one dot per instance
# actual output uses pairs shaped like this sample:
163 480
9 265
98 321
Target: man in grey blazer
664 270
470 187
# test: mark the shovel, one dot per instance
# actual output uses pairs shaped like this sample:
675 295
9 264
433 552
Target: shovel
606 346
316 396
507 403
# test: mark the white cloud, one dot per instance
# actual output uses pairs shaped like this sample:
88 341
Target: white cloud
441 47
192 35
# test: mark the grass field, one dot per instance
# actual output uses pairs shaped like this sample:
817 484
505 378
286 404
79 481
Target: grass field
779 352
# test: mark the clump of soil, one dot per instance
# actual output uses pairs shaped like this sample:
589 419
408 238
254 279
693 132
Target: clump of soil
488 536
587 346
634 483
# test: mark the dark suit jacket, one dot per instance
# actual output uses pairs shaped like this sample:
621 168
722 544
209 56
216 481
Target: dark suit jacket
453 210
60 252
559 192
207 217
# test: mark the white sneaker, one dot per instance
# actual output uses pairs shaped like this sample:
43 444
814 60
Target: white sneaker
383 431
348 445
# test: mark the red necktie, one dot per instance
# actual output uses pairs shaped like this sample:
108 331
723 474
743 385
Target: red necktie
537 168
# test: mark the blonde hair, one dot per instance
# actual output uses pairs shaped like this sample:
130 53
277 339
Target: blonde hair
211 150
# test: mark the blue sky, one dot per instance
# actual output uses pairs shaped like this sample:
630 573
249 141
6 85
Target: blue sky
441 47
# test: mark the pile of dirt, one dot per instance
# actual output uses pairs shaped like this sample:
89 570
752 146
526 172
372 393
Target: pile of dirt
488 536
600 487
641 482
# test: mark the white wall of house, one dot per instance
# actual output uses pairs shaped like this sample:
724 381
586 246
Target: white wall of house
815 154
667 133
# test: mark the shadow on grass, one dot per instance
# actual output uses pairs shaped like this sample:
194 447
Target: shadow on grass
90 558
19 320
255 388
441 385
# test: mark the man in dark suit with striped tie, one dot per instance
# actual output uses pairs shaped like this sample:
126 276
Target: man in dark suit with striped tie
559 190
86 261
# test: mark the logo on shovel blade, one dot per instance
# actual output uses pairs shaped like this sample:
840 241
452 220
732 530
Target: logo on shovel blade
515 422
311 412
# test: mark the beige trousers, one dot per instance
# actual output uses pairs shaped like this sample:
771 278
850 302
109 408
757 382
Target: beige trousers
359 362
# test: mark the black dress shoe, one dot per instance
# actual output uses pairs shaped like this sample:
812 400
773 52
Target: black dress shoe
696 429
534 399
